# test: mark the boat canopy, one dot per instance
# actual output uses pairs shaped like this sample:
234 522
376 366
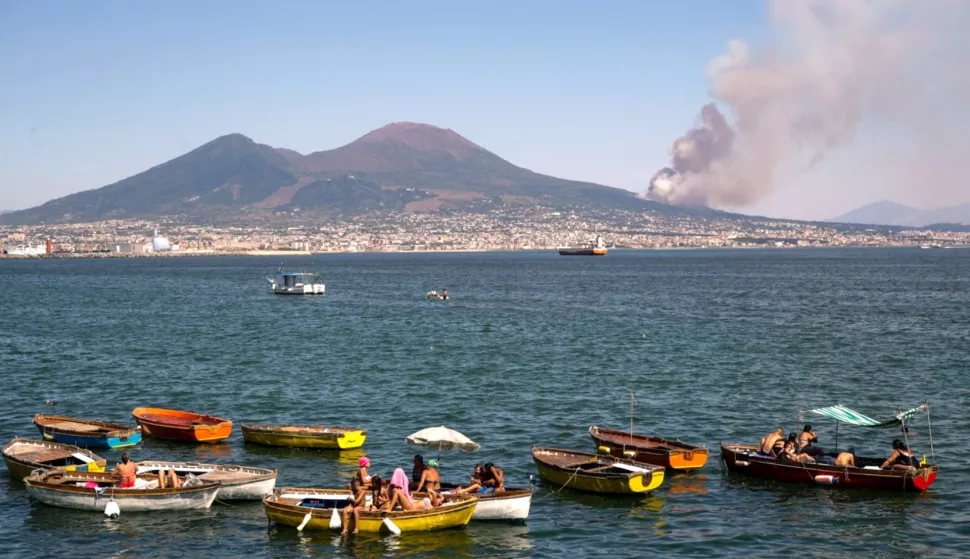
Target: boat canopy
843 414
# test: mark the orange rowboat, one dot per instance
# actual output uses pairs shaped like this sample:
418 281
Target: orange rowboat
675 455
182 425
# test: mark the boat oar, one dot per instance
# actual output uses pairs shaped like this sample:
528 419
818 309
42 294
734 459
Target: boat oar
391 526
306 520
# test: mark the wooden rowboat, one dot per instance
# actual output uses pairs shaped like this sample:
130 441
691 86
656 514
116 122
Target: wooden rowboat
330 438
866 475
511 504
182 425
596 473
236 483
289 506
23 456
650 450
93 491
86 433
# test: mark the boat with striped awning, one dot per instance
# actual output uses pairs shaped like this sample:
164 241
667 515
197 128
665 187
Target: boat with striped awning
866 473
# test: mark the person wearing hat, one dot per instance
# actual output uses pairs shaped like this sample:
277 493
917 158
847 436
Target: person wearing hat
362 464
430 482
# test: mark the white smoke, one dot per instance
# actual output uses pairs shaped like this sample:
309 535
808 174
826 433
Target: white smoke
835 64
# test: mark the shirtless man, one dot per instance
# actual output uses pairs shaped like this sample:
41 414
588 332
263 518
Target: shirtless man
846 459
127 470
768 443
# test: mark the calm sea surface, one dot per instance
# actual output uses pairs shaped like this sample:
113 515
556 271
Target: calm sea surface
532 349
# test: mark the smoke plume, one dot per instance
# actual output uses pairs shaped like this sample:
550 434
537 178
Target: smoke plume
833 66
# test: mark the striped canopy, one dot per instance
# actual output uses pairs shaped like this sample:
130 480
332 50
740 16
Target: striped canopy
843 414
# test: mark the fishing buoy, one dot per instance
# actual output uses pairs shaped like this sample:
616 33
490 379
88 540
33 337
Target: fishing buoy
335 520
306 520
603 449
391 526
51 402
112 510
826 480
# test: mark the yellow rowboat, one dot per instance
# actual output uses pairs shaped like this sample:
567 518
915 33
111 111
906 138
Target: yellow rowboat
290 506
329 438
596 473
23 456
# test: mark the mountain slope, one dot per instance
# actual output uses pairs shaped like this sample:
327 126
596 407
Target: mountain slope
230 170
891 213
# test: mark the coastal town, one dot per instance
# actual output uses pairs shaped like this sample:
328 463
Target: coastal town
506 229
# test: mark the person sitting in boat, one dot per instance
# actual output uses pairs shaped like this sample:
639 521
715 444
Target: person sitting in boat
417 470
494 478
773 443
357 498
127 470
362 464
789 452
902 458
168 479
476 481
430 482
400 495
806 440
379 498
846 459
444 293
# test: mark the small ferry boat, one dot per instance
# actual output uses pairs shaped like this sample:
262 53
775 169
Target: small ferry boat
86 433
236 483
594 248
179 425
23 456
675 455
328 438
596 473
314 509
285 282
94 491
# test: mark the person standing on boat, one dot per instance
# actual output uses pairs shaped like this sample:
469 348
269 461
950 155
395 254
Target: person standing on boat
127 470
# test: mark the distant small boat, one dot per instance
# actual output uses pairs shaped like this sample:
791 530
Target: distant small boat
93 491
330 438
313 509
650 450
236 483
594 248
86 433
595 473
435 296
182 425
296 283
23 456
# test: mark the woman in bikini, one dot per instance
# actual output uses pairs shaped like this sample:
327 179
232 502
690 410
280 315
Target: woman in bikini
401 496
379 498
901 459
476 481
430 482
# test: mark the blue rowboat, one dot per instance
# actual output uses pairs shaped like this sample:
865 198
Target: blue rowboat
85 433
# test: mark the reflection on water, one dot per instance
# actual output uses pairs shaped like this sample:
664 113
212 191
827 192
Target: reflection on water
444 543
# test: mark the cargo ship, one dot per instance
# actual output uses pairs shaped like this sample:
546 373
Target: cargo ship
594 248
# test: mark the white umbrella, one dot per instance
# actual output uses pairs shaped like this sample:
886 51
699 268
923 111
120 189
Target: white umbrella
442 438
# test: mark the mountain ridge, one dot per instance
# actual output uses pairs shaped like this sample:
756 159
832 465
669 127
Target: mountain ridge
887 212
403 166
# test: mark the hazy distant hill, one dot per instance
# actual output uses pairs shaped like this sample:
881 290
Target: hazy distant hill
891 213
403 166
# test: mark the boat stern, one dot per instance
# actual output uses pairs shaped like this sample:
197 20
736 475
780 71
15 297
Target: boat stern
352 439
647 481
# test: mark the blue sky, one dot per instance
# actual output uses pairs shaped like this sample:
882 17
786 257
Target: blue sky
93 92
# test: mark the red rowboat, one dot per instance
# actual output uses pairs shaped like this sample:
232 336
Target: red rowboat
675 455
182 425
866 475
